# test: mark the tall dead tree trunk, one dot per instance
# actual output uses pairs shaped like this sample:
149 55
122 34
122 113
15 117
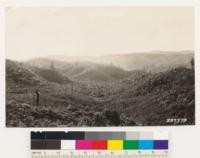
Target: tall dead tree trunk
37 97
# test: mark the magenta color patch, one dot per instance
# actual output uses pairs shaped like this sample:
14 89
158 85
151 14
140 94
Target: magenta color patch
83 144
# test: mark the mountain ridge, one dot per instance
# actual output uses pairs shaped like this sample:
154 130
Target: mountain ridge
155 61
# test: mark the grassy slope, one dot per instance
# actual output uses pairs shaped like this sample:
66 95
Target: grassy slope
170 94
82 71
159 97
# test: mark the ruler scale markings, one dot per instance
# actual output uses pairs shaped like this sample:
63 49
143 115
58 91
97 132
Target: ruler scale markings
108 154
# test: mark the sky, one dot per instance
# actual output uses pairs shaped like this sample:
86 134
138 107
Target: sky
89 31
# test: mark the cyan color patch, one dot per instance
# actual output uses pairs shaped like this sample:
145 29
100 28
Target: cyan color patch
145 144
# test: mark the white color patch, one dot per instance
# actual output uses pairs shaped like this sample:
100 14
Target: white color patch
68 144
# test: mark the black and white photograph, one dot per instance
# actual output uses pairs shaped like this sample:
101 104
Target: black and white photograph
97 66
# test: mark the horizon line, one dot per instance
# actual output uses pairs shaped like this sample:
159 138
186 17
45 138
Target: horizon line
185 51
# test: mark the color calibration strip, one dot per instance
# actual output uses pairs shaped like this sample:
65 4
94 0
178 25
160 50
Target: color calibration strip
99 140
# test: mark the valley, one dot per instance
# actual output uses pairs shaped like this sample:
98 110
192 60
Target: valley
89 93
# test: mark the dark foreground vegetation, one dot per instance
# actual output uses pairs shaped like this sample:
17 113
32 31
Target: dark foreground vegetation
97 95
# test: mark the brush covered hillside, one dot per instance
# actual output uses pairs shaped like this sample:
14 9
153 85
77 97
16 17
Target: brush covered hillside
156 61
85 93
83 71
153 99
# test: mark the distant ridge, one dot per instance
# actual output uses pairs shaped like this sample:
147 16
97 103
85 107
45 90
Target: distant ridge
155 61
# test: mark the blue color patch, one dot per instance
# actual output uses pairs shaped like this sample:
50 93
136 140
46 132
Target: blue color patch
145 144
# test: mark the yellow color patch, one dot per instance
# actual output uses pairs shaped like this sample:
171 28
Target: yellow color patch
115 144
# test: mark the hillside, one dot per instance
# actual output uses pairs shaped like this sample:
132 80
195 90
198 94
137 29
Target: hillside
18 74
101 73
170 94
51 75
155 61
137 97
82 71
23 74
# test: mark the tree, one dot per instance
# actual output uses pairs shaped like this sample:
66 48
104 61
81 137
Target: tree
192 63
52 67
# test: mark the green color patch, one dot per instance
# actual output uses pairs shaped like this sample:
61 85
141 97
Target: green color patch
130 144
